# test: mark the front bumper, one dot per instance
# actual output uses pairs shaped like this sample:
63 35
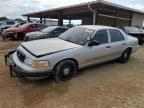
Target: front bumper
19 72
8 35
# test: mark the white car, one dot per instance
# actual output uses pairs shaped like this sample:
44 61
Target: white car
77 48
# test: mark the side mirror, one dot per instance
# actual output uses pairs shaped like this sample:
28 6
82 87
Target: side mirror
93 43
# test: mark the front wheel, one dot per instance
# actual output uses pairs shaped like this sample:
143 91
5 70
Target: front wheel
65 70
125 56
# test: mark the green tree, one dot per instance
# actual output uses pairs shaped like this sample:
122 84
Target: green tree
3 18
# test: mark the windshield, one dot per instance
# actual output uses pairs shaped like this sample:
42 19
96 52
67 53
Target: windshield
16 25
131 29
77 35
24 26
49 29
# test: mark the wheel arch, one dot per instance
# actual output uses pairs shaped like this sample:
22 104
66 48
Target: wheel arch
128 48
72 59
21 34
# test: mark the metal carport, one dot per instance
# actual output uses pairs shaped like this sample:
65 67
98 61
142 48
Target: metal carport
96 12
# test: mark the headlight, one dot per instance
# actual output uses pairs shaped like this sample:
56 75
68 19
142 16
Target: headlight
28 61
40 64
36 63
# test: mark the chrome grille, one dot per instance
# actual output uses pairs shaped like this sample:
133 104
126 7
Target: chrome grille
21 56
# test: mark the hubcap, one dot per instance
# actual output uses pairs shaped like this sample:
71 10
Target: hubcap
125 55
15 35
66 71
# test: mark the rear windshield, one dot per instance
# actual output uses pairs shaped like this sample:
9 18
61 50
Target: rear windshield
131 30
49 29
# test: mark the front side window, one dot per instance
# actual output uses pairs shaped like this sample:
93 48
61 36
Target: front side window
116 35
101 36
32 26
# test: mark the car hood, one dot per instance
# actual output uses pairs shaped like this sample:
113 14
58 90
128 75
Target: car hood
13 29
48 46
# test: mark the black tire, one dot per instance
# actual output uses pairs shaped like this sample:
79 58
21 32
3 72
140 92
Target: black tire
125 56
141 41
3 38
65 70
20 36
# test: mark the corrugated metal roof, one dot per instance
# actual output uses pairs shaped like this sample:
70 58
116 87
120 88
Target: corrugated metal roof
93 2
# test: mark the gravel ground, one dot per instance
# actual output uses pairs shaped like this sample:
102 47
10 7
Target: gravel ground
109 85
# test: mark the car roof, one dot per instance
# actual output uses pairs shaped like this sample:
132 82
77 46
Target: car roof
58 26
97 27
34 23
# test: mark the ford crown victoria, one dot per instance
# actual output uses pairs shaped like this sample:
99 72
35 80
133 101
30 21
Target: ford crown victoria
77 48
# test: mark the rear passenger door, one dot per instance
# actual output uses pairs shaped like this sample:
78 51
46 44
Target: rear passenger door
118 43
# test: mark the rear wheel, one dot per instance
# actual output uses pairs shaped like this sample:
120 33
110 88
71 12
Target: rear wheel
125 56
65 70
4 38
19 36
140 40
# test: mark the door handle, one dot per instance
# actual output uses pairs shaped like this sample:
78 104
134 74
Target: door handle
108 46
124 44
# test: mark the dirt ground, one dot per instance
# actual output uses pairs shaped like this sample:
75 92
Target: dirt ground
109 85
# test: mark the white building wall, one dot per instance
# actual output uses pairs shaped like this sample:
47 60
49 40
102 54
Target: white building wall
137 20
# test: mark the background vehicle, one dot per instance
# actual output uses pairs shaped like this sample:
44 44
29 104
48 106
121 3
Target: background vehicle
49 32
6 24
17 25
76 48
141 30
135 32
19 32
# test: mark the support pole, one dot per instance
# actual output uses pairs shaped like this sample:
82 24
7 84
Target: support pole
28 19
94 14
41 19
44 20
69 21
60 20
115 21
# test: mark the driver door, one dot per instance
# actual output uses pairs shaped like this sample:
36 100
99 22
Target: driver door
99 53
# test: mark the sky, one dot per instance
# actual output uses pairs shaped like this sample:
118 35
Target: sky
15 8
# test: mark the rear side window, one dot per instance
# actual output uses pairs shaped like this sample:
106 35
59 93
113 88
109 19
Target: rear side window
40 26
101 36
60 30
116 35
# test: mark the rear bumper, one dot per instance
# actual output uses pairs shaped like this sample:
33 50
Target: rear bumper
135 48
14 69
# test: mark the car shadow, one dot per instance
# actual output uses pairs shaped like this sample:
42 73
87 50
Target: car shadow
34 92
96 67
